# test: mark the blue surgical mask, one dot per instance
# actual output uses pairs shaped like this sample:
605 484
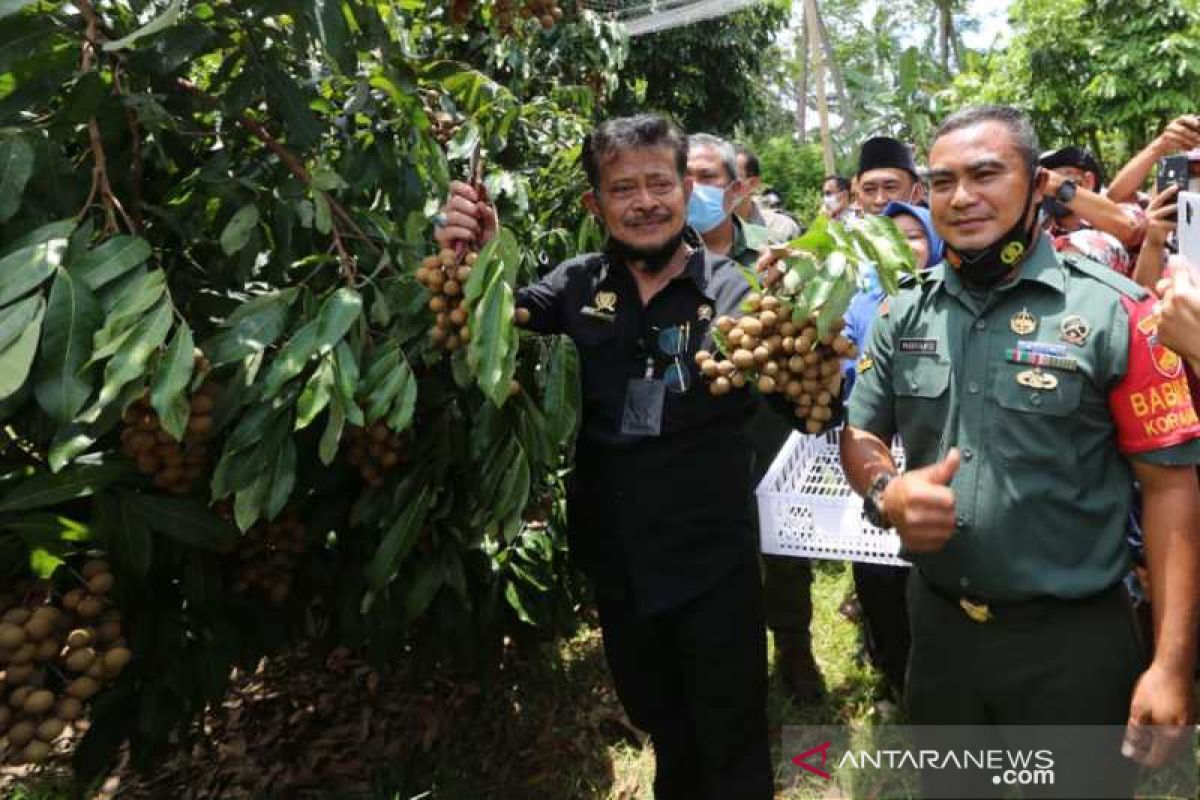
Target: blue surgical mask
706 207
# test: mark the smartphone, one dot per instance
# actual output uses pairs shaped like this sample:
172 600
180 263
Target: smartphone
1187 228
1172 170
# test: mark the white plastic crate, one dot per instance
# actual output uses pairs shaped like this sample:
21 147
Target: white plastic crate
806 507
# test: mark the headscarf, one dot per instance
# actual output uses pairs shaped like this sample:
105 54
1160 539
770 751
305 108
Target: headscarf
937 248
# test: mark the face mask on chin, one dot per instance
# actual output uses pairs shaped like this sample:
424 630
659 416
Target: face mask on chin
988 266
651 259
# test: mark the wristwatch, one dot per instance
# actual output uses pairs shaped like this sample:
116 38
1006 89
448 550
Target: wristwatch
873 502
1066 191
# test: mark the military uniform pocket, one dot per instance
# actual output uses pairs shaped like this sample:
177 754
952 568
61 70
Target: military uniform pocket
921 385
1033 425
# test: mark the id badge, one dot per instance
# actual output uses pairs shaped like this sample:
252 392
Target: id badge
644 399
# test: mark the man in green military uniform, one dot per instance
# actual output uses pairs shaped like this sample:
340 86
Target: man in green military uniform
712 166
1029 391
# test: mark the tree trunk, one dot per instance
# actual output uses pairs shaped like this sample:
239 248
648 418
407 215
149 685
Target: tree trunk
845 108
945 32
818 62
802 85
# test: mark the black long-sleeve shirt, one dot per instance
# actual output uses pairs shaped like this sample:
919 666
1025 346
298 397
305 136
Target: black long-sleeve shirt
665 516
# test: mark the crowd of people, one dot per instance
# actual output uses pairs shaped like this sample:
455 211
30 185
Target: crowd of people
1039 375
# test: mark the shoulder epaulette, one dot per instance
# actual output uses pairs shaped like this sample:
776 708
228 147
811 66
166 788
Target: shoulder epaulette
1106 275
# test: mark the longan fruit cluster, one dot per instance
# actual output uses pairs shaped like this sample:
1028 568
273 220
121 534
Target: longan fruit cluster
267 556
174 465
546 12
374 451
445 276
766 349
57 653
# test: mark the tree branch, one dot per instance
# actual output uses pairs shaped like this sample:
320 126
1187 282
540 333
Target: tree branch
297 168
100 183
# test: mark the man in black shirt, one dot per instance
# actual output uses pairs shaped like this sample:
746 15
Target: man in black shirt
660 501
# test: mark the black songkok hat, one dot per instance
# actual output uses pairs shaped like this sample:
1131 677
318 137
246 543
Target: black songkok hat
883 152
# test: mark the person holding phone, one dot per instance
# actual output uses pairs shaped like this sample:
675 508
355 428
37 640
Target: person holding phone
1161 216
1183 133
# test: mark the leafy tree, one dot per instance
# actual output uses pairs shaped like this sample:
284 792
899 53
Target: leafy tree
708 75
257 179
795 171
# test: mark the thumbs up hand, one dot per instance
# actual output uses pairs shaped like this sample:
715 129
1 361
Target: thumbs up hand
921 505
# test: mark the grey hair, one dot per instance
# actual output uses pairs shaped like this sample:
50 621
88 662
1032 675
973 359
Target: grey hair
1017 122
724 149
626 133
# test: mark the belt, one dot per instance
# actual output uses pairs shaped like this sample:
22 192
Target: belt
984 610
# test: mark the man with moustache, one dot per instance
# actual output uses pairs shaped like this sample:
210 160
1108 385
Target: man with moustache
660 505
1030 389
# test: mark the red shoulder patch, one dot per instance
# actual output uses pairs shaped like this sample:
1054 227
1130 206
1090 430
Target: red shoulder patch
1152 405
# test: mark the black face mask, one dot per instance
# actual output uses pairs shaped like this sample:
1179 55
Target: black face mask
988 266
1052 207
653 259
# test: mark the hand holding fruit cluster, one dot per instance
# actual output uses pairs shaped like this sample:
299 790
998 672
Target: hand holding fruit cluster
57 654
769 351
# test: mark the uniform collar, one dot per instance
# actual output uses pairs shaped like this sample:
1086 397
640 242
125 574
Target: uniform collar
1040 266
748 239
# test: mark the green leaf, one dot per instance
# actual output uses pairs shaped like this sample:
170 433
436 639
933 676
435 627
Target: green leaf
63 383
110 260
253 327
130 362
341 310
835 306
16 166
24 270
139 296
324 213
381 397
333 32
318 337
492 339
398 540
501 254
562 400
160 23
14 319
316 395
282 478
46 489
168 394
237 231
816 239
17 358
406 399
45 529
331 438
289 102
423 589
183 519
130 539
42 562
345 369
